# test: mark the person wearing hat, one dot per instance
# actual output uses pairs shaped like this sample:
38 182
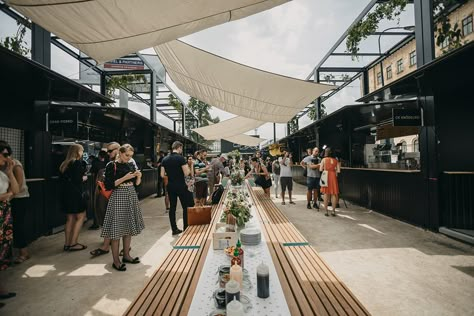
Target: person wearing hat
217 168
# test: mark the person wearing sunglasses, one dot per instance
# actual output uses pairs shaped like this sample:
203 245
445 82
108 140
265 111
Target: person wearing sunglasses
8 188
19 208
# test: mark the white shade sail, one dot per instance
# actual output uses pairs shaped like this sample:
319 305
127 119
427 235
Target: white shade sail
109 29
228 128
244 139
234 87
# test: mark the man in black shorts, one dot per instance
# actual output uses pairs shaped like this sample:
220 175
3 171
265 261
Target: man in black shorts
176 168
313 176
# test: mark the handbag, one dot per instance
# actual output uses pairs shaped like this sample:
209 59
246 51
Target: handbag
101 186
199 215
323 182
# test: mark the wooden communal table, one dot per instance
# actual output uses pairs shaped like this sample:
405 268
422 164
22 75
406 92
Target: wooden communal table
309 285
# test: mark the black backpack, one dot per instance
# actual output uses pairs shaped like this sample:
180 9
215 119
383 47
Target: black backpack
217 194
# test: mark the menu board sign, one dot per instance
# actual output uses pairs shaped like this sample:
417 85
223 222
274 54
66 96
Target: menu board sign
406 117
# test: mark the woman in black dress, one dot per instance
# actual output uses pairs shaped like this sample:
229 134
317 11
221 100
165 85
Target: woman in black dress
123 218
72 174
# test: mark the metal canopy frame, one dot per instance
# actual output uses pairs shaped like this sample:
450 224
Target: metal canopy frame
357 72
87 61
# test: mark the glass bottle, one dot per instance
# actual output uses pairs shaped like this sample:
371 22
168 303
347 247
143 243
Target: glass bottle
241 253
236 259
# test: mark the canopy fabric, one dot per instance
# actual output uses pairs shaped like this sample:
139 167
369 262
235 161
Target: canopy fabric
109 29
234 87
244 139
228 128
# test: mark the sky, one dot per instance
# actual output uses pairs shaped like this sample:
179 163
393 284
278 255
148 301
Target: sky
288 40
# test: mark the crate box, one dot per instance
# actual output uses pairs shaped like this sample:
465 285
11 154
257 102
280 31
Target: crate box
224 236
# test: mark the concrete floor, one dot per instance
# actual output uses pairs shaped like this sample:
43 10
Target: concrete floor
392 267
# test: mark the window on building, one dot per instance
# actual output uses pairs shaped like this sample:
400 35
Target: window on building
399 66
467 25
416 146
404 146
413 58
379 78
389 72
445 43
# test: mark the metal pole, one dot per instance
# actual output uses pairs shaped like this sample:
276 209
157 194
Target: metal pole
153 97
424 34
183 120
274 133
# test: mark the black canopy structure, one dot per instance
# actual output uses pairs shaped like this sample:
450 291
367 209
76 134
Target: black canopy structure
24 82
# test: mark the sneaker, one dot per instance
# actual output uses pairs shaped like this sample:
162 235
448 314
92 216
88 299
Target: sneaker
177 232
308 206
316 206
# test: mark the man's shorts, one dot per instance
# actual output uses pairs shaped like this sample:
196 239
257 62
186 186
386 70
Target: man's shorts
312 183
286 182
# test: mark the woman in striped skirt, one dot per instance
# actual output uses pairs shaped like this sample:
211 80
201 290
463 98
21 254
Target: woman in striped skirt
123 218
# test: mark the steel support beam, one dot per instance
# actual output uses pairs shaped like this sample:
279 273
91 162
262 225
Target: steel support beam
341 69
153 97
40 45
392 33
358 54
343 36
424 34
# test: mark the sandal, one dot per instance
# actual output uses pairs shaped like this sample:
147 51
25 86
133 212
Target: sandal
66 248
98 252
133 261
121 251
282 203
82 247
122 267
327 214
333 213
21 259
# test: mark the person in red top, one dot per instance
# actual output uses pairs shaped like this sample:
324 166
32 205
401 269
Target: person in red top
331 165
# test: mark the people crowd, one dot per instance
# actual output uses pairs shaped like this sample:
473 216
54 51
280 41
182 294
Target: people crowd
191 179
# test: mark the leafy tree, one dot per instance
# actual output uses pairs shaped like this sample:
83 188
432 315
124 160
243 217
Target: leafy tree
116 82
16 43
391 10
201 111
293 125
312 113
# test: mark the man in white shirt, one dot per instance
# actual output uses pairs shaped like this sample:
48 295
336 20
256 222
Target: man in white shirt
286 177
313 176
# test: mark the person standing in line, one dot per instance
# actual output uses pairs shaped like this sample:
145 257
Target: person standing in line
8 188
101 202
261 176
123 218
311 163
97 168
202 181
19 209
286 177
276 175
161 187
331 165
73 204
176 167
216 169
190 181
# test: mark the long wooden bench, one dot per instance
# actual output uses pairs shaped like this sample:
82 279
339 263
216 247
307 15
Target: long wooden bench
309 285
171 288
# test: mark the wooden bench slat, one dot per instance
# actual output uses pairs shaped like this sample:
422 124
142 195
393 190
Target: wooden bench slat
313 274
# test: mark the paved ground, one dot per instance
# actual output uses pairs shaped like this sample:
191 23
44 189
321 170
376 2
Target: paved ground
392 267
